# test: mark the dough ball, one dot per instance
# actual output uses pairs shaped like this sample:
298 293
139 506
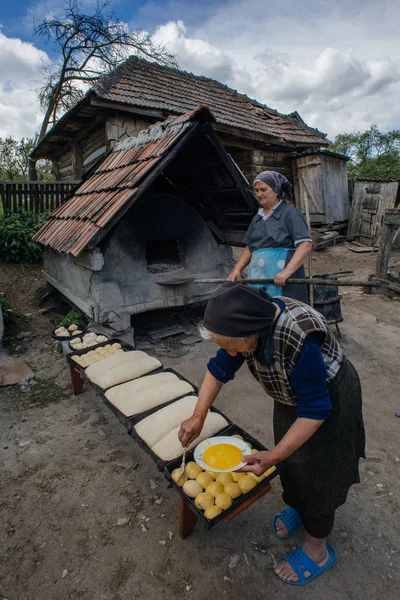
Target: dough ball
238 437
204 479
78 332
193 469
237 476
101 338
72 327
179 480
247 483
204 501
223 500
215 488
212 512
116 345
233 490
225 478
192 488
213 474
254 451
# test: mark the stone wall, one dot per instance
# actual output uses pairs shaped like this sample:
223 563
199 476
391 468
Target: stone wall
119 127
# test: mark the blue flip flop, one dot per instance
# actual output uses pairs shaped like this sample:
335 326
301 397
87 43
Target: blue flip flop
301 562
291 519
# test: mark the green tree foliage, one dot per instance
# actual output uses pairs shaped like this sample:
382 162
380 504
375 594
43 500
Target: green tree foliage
374 154
14 160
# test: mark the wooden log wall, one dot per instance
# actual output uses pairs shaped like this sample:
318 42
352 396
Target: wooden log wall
34 196
251 162
93 147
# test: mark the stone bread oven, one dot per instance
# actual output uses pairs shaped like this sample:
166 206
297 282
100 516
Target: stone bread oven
164 205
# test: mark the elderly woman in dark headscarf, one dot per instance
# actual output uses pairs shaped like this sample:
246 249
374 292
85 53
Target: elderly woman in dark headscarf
318 424
277 240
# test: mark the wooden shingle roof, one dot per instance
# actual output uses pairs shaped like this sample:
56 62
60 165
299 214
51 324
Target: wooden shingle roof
140 83
158 91
103 198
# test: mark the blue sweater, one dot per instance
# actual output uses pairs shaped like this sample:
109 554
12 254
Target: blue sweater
308 378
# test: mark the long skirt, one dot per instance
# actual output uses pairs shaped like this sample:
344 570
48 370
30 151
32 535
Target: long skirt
316 478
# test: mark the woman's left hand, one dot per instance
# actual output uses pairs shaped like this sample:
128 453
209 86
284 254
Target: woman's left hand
258 463
280 278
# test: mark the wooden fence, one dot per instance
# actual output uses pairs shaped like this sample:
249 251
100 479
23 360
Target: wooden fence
34 196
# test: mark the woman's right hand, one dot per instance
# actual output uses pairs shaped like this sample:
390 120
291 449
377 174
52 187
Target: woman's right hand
190 430
233 275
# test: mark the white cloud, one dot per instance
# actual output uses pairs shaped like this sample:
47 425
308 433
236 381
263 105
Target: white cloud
336 63
311 58
19 77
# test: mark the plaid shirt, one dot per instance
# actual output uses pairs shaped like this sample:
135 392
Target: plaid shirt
292 327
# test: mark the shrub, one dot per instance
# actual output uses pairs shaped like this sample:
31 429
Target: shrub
16 232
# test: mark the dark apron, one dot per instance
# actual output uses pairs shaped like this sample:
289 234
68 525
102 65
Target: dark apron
317 477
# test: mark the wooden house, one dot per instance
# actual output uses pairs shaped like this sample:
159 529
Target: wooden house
370 201
320 180
139 93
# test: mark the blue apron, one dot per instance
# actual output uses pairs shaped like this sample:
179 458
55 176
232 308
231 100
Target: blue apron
265 264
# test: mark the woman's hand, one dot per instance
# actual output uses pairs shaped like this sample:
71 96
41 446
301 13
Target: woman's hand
190 430
280 278
234 275
258 463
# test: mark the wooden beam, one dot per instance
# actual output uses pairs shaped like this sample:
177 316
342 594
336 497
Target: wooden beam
132 109
385 247
231 167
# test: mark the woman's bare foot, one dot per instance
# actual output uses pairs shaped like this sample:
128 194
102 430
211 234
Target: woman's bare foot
316 550
281 529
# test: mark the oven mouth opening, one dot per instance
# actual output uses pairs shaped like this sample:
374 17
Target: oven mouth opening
163 255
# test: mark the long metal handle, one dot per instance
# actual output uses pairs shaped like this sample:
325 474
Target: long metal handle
336 282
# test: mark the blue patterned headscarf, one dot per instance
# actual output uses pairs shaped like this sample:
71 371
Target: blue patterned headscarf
278 182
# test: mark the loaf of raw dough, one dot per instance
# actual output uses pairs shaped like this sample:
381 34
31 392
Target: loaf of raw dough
119 368
159 424
169 447
136 396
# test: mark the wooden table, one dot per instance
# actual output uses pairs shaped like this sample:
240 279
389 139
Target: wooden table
188 518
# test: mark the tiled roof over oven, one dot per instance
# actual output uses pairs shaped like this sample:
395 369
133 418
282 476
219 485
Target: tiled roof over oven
143 84
109 190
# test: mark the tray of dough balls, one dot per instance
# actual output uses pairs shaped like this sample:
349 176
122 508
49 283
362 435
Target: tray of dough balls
87 340
111 363
211 495
67 332
157 431
136 399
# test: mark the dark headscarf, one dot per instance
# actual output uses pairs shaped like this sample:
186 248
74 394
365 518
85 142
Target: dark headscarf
278 182
237 310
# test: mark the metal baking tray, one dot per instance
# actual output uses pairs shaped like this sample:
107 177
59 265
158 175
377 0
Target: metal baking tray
159 462
173 464
124 345
63 338
71 349
131 420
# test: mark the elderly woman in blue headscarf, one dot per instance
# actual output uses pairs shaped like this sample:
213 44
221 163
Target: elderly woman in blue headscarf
277 241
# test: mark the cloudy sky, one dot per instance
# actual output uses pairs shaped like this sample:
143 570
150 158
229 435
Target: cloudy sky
337 62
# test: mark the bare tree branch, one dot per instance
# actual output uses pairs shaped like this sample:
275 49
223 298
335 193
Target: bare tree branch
87 46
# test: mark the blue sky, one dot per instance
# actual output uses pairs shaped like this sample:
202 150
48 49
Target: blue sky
336 62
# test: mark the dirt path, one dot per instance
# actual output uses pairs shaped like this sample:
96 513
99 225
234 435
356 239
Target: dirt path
85 515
